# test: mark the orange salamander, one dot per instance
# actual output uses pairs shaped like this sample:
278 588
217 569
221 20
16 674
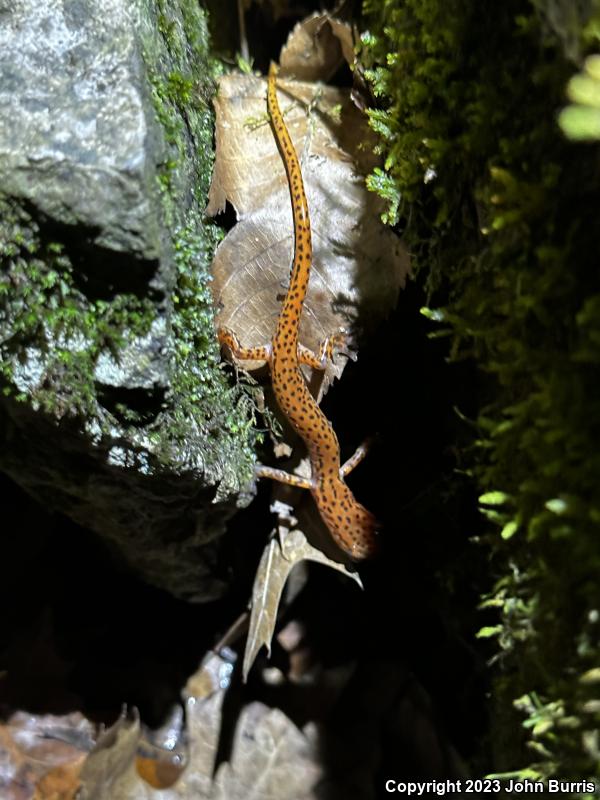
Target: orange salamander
351 526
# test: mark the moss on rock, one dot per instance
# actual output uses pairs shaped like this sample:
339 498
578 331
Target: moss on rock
205 414
54 331
114 399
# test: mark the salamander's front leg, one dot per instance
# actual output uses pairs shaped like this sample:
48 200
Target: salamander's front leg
226 337
338 341
282 476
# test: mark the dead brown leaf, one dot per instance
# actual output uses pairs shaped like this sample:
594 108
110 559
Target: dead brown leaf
359 265
109 770
282 553
61 783
41 756
162 753
316 48
272 759
203 713
63 758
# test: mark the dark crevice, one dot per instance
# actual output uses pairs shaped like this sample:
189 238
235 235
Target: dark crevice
131 406
98 272
227 218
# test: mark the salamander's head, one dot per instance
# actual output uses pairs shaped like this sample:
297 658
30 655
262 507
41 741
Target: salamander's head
361 540
352 527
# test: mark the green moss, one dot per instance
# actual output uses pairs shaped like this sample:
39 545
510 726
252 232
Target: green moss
42 309
581 119
497 209
205 414
204 424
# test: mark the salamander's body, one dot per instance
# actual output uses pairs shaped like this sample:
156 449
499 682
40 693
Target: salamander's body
350 524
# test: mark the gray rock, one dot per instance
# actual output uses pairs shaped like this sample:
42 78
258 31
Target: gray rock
115 411
78 138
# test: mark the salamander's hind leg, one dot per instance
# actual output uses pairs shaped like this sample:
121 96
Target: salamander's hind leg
355 459
226 337
282 476
338 341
